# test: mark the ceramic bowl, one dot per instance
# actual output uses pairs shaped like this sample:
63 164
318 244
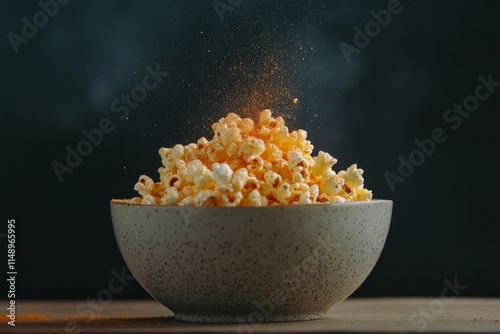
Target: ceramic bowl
251 264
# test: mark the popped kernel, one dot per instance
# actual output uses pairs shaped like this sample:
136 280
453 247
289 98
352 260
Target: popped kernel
240 178
283 193
202 143
255 163
248 164
229 196
144 186
205 198
323 162
251 146
174 180
255 199
232 150
251 183
246 125
177 151
264 116
352 176
222 173
272 179
332 183
170 197
148 200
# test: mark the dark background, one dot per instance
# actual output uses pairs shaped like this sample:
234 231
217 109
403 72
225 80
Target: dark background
368 112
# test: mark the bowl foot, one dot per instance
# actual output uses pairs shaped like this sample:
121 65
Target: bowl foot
248 319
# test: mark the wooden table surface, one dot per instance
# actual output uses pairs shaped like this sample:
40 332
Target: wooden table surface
382 315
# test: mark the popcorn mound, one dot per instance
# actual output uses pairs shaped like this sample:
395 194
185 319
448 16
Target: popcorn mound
250 165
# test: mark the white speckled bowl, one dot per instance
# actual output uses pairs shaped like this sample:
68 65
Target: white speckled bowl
280 263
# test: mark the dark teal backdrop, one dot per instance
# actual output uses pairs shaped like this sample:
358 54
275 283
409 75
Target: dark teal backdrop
373 90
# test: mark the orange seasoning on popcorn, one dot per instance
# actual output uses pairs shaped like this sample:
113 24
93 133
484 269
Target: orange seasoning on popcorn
247 164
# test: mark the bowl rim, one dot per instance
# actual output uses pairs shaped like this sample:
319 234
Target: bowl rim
271 207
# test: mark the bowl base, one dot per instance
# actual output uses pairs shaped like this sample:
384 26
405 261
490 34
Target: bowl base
251 318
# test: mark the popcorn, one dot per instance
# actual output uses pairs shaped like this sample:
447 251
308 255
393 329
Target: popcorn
272 179
229 196
255 199
332 183
222 173
323 162
174 181
314 191
216 151
246 125
273 152
144 186
251 146
352 176
198 174
232 150
364 195
248 164
188 201
148 200
297 175
202 143
166 158
255 163
283 192
240 178
170 197
264 116
205 198
295 159
251 183
177 151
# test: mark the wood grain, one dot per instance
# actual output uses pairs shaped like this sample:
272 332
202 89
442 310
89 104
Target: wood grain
374 315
